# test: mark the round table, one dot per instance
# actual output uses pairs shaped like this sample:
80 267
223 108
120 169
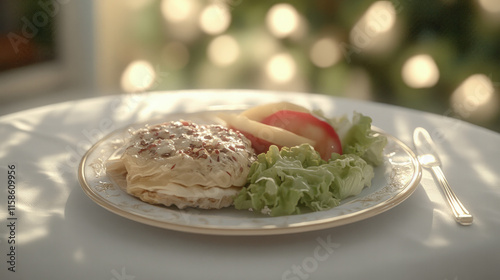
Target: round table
50 229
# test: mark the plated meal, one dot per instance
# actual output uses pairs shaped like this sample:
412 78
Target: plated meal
278 159
296 170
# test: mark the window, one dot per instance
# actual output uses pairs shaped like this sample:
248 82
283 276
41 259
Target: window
45 45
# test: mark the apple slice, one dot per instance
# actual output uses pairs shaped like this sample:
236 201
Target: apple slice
307 125
263 135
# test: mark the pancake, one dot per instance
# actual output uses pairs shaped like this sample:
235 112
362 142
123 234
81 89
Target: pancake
184 164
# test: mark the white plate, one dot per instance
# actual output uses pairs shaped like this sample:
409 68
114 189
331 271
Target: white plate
394 182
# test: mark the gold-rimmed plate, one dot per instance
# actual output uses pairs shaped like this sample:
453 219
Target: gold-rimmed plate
394 182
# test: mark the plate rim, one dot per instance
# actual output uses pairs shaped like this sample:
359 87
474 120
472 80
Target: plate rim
299 227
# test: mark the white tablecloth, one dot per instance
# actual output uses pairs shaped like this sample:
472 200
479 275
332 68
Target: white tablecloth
60 233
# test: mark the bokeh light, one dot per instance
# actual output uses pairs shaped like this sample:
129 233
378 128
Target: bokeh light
491 6
138 76
475 99
420 71
282 20
177 10
223 50
215 19
372 31
281 68
417 55
325 52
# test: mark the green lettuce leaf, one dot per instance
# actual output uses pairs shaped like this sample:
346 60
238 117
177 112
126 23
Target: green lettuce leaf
357 138
283 182
351 174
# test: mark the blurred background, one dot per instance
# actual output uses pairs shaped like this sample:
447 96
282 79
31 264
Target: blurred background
440 56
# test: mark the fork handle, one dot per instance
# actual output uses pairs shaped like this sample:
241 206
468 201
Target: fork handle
462 216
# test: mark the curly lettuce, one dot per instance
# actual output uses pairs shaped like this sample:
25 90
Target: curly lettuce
351 173
358 138
287 181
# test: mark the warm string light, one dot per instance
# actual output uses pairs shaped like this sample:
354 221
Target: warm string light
215 19
281 68
176 11
491 6
282 20
475 99
325 52
373 31
223 50
138 76
420 71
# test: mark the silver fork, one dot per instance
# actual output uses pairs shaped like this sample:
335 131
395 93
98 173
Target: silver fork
428 158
